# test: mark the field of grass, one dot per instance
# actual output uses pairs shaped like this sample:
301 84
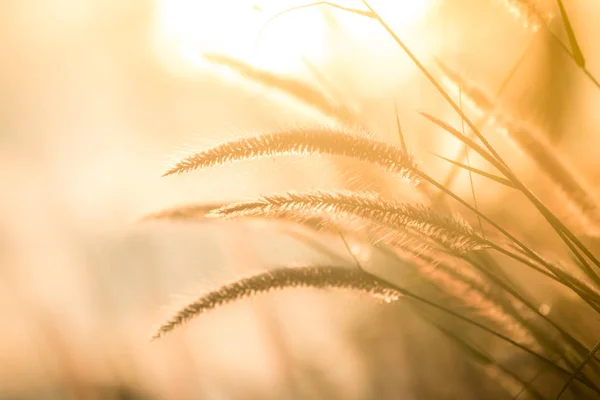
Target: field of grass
293 200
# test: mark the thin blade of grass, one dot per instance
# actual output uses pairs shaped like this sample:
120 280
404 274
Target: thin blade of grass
465 149
321 79
577 53
485 359
399 127
467 141
484 328
578 370
564 233
556 224
470 174
356 11
434 82
496 178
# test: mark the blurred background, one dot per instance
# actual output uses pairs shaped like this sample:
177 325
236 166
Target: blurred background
98 97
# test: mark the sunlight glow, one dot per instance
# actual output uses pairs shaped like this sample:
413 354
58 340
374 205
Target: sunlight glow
186 28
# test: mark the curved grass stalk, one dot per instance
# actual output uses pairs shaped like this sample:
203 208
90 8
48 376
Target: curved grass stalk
572 242
458 274
530 258
283 278
578 196
477 288
447 230
474 293
303 142
558 226
309 5
590 293
455 79
520 305
575 49
542 20
545 360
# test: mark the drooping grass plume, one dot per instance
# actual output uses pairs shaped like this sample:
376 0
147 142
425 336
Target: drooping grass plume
355 176
197 212
493 298
299 90
580 284
533 14
578 199
466 286
323 100
365 232
303 142
187 212
473 97
504 376
352 279
444 229
579 250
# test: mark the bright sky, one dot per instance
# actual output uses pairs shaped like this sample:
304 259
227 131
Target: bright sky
185 28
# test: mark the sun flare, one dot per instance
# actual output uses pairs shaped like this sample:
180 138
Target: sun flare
260 32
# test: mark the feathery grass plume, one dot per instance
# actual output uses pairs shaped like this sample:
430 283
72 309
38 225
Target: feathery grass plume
473 97
298 90
459 280
197 212
354 175
510 381
187 212
303 142
579 282
352 279
579 201
359 230
324 101
557 342
447 230
533 14
483 293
